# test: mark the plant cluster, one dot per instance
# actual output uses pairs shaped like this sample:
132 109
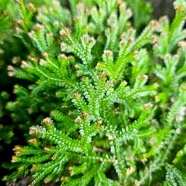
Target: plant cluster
104 102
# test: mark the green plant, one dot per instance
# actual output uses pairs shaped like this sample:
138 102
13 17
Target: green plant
111 103
6 132
141 12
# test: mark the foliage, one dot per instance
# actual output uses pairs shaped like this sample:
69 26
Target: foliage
104 104
5 131
141 12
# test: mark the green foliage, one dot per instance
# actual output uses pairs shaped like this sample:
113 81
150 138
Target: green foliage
174 177
4 23
6 132
103 105
141 12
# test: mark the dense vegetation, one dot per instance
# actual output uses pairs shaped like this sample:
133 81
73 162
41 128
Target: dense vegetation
93 92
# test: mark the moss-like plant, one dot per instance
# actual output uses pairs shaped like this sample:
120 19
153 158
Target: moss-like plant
104 105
